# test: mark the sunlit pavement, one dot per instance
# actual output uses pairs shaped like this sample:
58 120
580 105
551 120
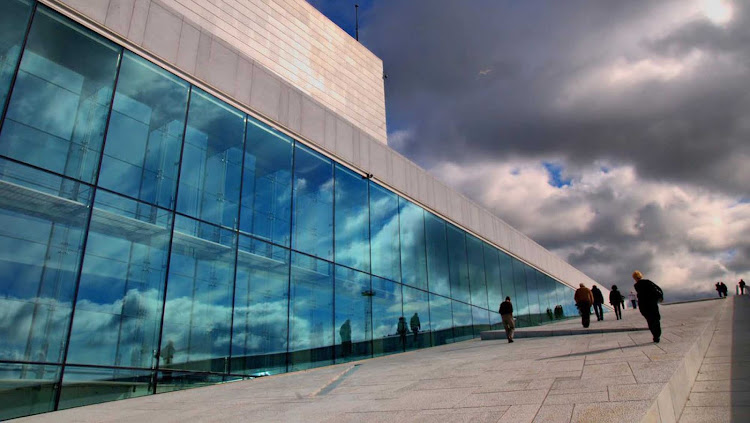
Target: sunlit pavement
622 377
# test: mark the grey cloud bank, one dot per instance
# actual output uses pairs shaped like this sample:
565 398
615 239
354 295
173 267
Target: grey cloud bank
644 105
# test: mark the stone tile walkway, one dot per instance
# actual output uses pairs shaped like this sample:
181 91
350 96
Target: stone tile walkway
620 377
721 392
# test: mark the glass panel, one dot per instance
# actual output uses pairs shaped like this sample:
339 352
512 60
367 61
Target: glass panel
437 255
413 254
496 320
352 220
462 328
506 276
259 335
312 222
311 313
459 268
27 389
417 314
211 161
386 260
118 312
267 184
521 303
494 280
546 297
478 284
533 295
14 17
142 150
198 310
388 334
84 386
441 320
42 227
481 320
168 381
59 106
353 315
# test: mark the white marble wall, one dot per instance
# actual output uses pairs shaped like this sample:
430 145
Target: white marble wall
194 47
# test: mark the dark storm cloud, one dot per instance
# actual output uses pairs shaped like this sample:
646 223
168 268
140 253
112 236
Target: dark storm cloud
489 79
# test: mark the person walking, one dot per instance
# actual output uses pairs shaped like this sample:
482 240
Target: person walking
724 288
649 297
615 298
633 299
584 299
718 288
345 332
742 287
598 301
506 312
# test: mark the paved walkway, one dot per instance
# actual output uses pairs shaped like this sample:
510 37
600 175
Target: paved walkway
721 392
617 377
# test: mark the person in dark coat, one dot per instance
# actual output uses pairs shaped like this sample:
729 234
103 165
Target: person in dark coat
649 297
598 301
718 289
724 289
616 299
742 287
584 299
506 312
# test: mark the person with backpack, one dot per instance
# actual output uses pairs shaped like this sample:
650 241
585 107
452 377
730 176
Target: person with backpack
584 300
506 312
616 299
649 297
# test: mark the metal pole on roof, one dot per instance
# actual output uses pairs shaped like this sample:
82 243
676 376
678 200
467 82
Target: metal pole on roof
356 22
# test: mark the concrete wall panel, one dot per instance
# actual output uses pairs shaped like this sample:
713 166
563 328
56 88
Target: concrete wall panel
93 9
119 15
266 93
162 34
138 21
187 52
222 68
399 171
344 141
329 138
244 80
313 121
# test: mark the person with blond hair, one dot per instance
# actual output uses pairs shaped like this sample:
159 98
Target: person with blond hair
649 297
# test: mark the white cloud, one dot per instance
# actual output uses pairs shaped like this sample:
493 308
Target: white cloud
609 221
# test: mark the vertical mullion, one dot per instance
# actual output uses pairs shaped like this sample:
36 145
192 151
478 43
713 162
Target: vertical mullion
237 247
157 356
289 255
86 232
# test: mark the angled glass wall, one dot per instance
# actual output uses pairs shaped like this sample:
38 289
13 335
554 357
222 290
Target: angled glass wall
155 238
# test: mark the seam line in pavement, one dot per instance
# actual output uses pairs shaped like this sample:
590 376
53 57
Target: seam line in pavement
333 383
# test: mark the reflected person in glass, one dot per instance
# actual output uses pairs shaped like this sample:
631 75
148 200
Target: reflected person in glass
416 325
402 331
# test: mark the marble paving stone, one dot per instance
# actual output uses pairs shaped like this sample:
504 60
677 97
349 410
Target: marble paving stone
710 399
632 392
554 413
610 412
715 414
468 415
577 398
520 414
505 398
606 370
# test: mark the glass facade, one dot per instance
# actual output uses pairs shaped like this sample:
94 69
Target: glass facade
154 238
